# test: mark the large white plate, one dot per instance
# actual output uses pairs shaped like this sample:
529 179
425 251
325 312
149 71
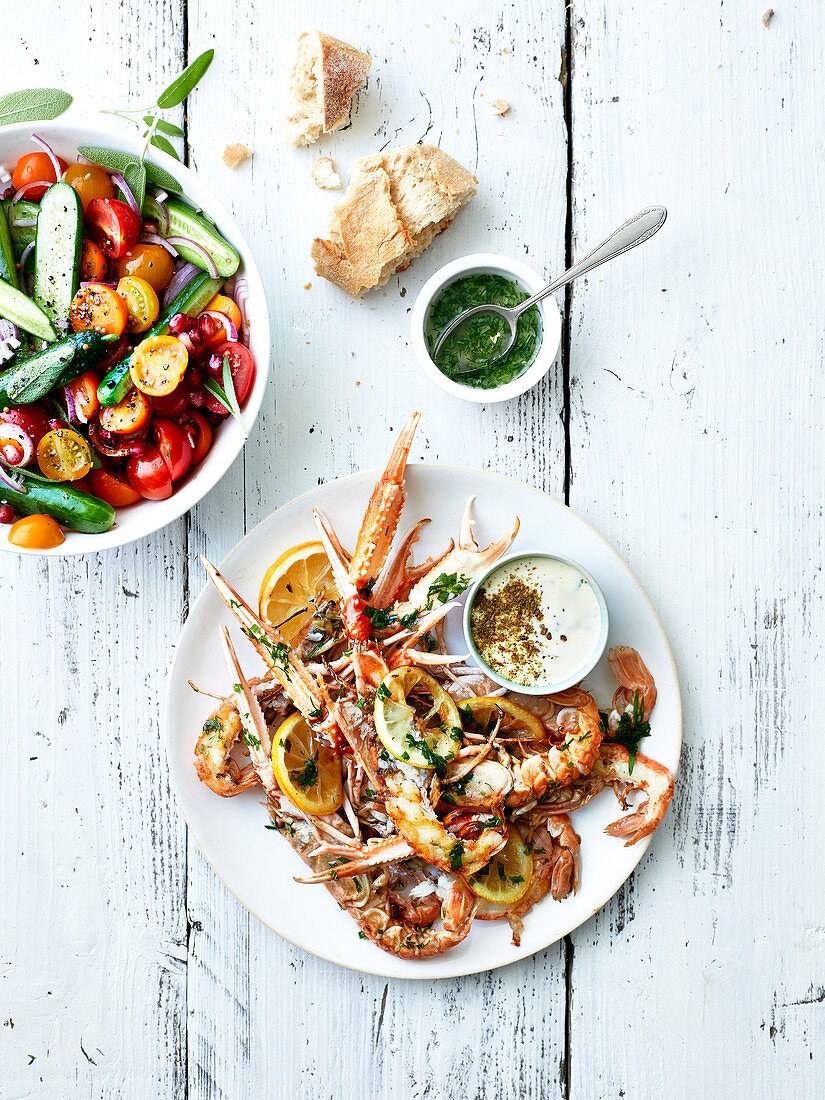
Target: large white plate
257 865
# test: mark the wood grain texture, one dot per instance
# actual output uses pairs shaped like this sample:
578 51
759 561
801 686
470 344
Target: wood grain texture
126 968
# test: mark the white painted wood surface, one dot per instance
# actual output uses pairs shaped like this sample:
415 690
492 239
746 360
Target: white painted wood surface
696 427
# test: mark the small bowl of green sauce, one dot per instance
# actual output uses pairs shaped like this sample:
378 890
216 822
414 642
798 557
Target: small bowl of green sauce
468 364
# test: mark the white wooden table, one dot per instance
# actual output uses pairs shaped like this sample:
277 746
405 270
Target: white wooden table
686 420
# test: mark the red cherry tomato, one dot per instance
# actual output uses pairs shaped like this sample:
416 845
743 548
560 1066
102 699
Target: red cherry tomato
111 488
241 367
174 446
174 404
197 428
31 418
35 166
113 225
148 475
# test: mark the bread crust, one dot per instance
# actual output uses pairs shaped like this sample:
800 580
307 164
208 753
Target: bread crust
324 76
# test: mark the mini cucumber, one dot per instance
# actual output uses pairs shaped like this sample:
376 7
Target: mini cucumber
26 314
57 252
192 299
21 235
33 378
8 267
71 507
184 221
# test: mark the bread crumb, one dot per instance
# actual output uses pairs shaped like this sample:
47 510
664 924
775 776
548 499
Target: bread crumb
357 383
307 286
325 176
236 154
767 17
500 106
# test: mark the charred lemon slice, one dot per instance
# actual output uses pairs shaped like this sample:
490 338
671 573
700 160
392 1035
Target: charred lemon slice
416 719
482 712
291 584
307 772
506 877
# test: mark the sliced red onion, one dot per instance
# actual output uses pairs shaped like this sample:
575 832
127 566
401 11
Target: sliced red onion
71 412
226 323
153 238
13 482
58 171
156 208
25 254
241 298
20 192
11 435
8 330
24 223
211 267
99 282
179 280
125 190
5 175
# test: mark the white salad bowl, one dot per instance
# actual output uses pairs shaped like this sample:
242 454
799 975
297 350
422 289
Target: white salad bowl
493 264
139 520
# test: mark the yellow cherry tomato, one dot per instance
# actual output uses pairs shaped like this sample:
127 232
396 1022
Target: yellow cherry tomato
142 305
37 532
64 455
158 365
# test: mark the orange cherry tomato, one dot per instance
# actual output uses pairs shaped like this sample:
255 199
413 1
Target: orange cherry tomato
111 488
142 303
199 431
99 307
158 365
222 303
37 532
84 395
128 416
149 262
90 182
93 264
35 166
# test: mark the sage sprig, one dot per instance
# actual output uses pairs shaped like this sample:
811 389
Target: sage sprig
33 105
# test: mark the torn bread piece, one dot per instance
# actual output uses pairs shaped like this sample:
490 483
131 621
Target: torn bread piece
325 75
324 174
397 202
236 154
500 106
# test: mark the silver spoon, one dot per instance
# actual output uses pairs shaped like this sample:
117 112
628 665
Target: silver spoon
639 228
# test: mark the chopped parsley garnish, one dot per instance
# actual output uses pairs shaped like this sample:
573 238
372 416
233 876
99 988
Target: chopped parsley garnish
362 935
408 621
456 854
316 712
630 731
445 587
254 742
380 618
367 589
308 775
383 692
466 713
433 758
212 725
360 702
431 644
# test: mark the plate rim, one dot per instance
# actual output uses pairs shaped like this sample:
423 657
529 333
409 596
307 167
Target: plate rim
519 955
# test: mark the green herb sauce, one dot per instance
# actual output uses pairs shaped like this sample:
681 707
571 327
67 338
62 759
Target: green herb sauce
478 341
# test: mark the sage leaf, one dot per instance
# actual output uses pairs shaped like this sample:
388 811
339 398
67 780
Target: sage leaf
33 105
161 178
181 86
116 161
163 143
163 126
135 176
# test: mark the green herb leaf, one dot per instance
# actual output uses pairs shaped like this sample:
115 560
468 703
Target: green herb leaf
212 725
383 692
163 143
182 85
456 853
161 178
226 396
308 774
379 617
116 161
135 176
164 127
630 731
445 587
33 105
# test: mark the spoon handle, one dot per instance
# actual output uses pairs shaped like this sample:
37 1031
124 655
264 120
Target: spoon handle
637 229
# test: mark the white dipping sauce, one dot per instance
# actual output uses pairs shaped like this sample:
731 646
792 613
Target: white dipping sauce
544 626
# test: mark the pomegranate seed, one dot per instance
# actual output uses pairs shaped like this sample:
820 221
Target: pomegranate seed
208 326
180 323
6 513
194 376
196 398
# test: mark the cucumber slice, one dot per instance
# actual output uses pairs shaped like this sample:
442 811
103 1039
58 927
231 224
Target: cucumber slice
69 506
8 269
59 363
26 314
21 235
57 252
186 222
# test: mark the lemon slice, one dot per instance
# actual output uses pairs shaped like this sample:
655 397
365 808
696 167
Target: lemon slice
482 712
308 772
291 583
416 719
506 877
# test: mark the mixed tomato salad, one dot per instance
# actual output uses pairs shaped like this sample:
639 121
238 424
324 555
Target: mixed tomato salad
123 344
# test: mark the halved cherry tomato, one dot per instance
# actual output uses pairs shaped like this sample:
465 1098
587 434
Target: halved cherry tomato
93 264
149 476
175 404
128 416
142 303
63 455
197 428
111 488
116 446
149 262
90 182
35 166
31 418
241 368
117 351
99 307
174 447
222 303
158 365
37 532
113 225
84 395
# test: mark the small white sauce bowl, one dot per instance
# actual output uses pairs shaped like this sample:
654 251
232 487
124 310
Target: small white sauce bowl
547 688
492 264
